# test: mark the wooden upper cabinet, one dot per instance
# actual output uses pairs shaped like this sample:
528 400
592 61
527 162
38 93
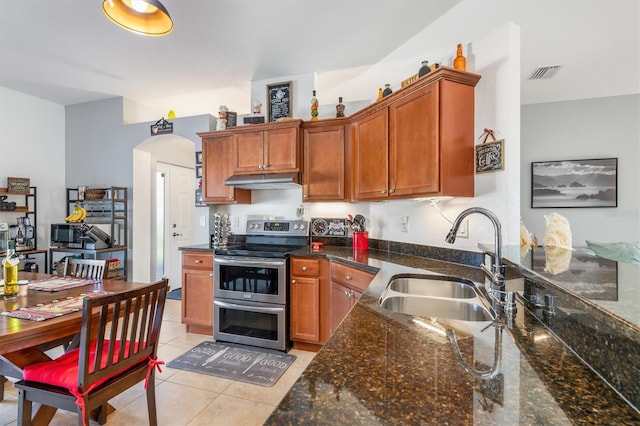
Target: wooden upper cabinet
216 167
413 143
248 152
270 148
417 141
324 149
370 157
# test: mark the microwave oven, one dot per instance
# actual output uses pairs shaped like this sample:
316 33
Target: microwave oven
67 235
82 235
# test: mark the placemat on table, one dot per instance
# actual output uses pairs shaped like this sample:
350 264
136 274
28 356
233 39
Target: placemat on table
59 283
53 309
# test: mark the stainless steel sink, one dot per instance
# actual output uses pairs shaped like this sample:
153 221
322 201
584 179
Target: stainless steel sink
436 296
433 286
437 307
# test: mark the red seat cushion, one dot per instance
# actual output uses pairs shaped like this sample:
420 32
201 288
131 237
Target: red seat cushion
63 371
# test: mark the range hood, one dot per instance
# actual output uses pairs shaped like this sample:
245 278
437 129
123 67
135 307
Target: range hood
265 181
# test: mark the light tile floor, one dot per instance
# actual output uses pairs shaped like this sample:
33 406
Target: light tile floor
184 398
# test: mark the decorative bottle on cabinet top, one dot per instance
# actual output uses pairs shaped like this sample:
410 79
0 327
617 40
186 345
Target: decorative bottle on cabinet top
379 93
387 90
424 69
340 108
314 107
460 62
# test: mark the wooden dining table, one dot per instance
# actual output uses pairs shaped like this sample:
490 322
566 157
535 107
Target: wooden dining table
23 342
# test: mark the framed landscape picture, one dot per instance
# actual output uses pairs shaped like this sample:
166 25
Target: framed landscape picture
574 183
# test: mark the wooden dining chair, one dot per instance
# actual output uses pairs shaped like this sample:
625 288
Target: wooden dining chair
85 268
118 348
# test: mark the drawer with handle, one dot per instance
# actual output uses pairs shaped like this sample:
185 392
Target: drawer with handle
350 277
197 260
305 267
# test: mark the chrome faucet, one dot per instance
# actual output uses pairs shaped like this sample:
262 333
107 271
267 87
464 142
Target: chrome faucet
496 274
504 299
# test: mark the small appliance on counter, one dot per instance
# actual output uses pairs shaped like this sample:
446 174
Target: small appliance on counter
23 234
96 238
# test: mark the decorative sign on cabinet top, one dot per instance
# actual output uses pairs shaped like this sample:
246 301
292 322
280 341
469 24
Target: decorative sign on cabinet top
280 100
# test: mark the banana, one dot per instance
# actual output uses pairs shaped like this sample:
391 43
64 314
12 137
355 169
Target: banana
75 215
83 214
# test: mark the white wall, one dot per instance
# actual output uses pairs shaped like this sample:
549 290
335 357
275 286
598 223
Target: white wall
33 146
590 128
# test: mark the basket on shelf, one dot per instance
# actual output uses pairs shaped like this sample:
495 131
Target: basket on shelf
58 267
95 194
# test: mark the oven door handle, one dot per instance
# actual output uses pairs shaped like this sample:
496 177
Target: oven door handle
245 307
249 261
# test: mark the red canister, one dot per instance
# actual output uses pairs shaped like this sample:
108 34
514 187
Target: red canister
361 240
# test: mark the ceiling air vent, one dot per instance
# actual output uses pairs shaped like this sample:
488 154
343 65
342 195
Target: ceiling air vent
544 72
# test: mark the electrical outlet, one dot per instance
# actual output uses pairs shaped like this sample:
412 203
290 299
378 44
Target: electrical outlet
463 230
203 221
404 224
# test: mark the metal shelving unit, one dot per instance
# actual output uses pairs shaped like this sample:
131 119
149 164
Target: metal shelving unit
27 206
111 210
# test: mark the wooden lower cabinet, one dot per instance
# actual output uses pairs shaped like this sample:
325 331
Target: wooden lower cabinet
347 285
197 291
309 302
322 294
342 300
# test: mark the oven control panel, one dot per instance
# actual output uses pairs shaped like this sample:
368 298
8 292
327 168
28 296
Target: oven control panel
278 227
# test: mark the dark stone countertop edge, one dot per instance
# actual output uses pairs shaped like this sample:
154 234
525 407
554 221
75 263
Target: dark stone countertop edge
386 265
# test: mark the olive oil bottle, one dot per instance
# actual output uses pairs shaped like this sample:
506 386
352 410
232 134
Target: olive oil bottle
10 265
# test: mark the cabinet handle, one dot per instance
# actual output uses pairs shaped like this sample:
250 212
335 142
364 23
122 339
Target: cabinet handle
306 196
304 268
346 293
211 274
198 261
231 197
383 192
349 277
392 191
293 281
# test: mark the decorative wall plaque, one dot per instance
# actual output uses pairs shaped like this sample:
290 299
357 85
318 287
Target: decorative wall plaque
279 100
18 185
161 127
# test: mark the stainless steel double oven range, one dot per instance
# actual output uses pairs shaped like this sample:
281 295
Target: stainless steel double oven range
251 284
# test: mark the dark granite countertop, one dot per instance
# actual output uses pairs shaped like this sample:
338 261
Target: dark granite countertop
611 286
381 367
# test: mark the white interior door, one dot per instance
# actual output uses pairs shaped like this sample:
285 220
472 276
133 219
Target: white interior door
179 212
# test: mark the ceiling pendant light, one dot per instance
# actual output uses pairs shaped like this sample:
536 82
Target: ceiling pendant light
146 17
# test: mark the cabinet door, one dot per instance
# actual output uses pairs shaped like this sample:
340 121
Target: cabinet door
342 299
281 150
305 309
414 154
216 162
247 156
370 166
324 174
197 299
